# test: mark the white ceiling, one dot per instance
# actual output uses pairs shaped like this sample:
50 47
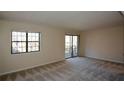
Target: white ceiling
76 20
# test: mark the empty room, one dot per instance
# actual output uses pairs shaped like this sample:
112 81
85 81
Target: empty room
61 45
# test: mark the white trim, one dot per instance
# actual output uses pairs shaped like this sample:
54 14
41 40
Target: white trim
30 67
115 61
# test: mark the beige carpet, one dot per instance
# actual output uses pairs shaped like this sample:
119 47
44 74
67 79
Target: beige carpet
74 69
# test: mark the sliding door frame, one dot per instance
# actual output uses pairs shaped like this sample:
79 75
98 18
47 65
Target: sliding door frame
78 44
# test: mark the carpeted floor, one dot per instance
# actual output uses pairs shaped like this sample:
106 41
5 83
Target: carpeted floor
73 69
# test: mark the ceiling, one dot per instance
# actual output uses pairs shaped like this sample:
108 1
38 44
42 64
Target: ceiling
76 20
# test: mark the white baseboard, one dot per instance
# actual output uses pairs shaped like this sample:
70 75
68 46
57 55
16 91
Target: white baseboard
1 74
115 61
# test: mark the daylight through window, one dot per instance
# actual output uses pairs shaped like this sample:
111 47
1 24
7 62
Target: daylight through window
25 42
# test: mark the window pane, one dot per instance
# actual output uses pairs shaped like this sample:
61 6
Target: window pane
24 50
14 33
14 50
19 33
33 46
23 34
33 36
37 38
18 36
37 34
14 36
18 47
33 49
29 36
23 38
36 48
37 44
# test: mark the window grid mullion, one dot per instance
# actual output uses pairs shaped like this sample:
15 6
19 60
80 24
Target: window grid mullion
26 42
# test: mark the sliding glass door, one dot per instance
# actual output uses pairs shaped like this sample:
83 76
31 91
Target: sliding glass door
75 46
68 46
71 46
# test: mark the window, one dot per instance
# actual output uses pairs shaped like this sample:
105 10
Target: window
25 42
33 42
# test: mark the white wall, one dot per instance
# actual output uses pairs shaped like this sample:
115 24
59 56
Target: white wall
52 47
106 44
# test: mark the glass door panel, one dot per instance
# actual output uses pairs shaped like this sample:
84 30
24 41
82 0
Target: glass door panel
68 46
75 45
